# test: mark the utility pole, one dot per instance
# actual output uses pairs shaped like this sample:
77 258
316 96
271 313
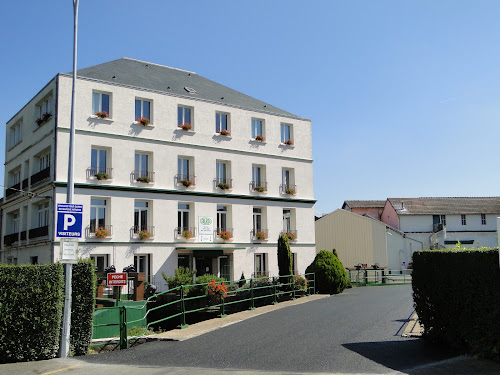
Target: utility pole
65 336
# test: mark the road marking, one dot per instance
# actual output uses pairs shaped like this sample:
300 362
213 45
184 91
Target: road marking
59 370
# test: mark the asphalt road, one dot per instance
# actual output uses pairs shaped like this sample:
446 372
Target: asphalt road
358 331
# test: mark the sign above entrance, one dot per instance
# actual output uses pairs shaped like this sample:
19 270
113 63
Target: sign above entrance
205 229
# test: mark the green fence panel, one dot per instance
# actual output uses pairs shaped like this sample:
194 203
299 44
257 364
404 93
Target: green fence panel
107 319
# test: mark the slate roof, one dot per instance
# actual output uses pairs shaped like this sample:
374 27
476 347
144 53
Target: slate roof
446 206
364 204
141 74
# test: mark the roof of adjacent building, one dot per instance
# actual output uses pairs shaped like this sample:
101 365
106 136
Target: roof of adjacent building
364 204
446 206
150 76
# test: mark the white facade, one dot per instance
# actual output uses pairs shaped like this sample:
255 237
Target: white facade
118 140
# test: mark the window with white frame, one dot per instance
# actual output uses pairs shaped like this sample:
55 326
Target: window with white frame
101 103
100 261
260 265
257 220
287 180
98 160
257 128
184 116
97 213
142 108
44 161
142 264
287 221
222 173
141 215
142 165
221 122
43 214
483 219
259 177
464 220
15 177
294 263
44 108
182 217
13 222
286 134
222 222
185 170
15 134
442 219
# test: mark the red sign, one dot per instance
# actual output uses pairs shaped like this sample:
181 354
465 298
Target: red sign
117 279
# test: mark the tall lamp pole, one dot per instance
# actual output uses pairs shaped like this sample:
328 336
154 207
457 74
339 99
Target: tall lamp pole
65 336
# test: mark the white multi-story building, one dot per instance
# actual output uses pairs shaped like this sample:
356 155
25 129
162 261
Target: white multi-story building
205 153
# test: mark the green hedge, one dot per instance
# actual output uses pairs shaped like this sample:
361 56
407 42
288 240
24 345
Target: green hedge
457 299
82 306
31 301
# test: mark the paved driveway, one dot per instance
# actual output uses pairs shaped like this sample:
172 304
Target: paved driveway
357 331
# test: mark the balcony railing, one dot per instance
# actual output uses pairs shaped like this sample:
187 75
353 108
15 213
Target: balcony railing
143 176
288 189
9 239
186 180
25 183
39 232
437 227
101 231
260 274
100 173
12 190
223 183
225 234
259 186
260 234
141 228
40 176
291 234
185 233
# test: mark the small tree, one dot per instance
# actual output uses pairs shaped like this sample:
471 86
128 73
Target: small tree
285 256
330 276
242 280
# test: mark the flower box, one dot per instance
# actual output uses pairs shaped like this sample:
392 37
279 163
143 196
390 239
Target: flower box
291 236
186 234
144 179
45 117
144 235
225 235
185 126
102 114
101 176
290 191
102 233
261 235
288 142
260 138
224 132
186 183
144 121
260 189
223 186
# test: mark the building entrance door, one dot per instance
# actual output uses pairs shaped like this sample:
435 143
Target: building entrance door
203 266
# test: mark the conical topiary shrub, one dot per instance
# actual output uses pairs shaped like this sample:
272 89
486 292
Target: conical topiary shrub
330 276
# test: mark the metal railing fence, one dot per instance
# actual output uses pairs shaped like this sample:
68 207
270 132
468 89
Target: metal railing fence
379 276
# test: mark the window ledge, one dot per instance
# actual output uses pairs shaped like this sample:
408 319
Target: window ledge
144 126
182 131
96 118
253 140
103 181
218 135
284 145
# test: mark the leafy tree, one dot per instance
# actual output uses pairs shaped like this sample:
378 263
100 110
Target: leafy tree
330 276
285 256
182 276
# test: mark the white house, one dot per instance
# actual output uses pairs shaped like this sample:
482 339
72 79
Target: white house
205 154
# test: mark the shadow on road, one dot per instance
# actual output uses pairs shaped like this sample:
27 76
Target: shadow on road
401 355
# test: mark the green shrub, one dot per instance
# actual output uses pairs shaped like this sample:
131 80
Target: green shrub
242 280
82 306
285 257
201 290
299 283
31 301
330 276
457 298
182 276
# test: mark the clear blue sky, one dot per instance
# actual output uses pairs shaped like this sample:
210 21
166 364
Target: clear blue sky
403 95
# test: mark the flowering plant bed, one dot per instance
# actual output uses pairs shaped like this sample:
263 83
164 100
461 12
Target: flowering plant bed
261 235
260 189
186 182
290 191
144 235
101 176
300 283
185 126
260 138
223 186
288 142
216 289
102 233
102 114
224 132
144 121
225 235
145 179
186 234
45 117
291 236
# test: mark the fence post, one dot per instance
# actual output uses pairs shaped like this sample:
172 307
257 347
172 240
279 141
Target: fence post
292 285
275 302
314 285
123 327
252 307
183 310
222 312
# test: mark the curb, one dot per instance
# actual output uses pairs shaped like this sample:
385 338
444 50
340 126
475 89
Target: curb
413 327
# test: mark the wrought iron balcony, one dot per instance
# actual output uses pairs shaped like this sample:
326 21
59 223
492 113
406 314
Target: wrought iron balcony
259 186
40 176
100 173
225 234
101 231
223 183
288 189
143 176
185 233
186 180
145 229
260 234
291 234
258 274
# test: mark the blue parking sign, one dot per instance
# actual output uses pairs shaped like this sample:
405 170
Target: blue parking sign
69 220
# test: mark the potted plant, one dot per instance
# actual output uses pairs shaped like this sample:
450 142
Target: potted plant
186 182
186 234
101 176
219 290
144 235
260 138
102 114
291 236
261 235
225 235
144 179
288 142
223 186
144 121
45 117
225 132
186 126
259 188
102 233
290 191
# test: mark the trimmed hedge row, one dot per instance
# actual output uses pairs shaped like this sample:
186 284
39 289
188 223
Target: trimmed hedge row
31 301
457 299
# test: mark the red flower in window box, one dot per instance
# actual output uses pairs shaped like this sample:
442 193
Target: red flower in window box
260 138
144 121
185 126
102 233
288 142
225 132
225 235
102 114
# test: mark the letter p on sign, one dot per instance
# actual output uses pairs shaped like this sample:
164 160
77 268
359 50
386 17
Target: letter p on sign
69 220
